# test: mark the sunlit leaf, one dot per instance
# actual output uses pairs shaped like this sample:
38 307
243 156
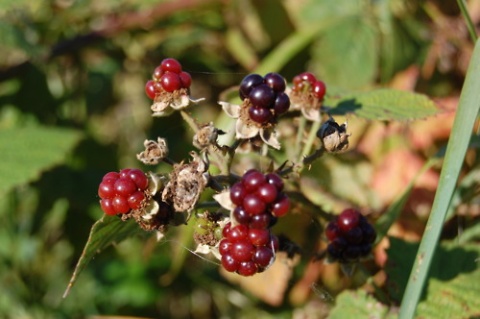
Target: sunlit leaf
384 105
359 305
452 267
27 152
352 62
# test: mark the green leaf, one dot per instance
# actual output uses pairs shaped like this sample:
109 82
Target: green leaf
457 298
347 55
359 305
450 264
27 152
106 231
384 105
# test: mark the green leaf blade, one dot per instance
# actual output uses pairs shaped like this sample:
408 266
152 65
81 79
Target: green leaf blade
383 105
106 231
27 152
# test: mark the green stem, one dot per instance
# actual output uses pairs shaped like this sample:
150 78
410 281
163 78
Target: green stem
311 138
467 113
468 20
299 138
190 121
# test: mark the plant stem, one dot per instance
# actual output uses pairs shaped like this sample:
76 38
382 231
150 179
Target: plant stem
311 138
468 20
465 117
190 121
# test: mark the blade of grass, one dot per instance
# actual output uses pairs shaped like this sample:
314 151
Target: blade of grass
467 112
468 20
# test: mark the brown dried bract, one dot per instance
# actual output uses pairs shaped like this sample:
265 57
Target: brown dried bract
154 151
206 135
334 137
187 182
307 103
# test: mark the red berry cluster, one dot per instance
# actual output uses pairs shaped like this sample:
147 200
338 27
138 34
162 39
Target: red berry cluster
350 236
266 95
249 247
306 81
120 192
167 77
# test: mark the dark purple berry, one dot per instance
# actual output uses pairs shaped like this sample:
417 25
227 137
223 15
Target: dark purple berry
241 215
248 83
261 221
351 253
276 180
282 103
237 193
262 96
263 256
354 236
275 81
259 114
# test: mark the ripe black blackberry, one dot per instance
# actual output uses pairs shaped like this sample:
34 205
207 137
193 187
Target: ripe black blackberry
350 237
266 96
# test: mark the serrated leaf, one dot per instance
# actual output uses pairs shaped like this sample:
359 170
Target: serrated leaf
358 305
450 261
27 152
457 298
383 105
106 231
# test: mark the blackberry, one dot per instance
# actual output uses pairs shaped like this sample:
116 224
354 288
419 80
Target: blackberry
350 237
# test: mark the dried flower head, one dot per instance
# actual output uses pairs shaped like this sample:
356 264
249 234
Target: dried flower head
334 137
307 103
187 182
245 128
206 135
154 151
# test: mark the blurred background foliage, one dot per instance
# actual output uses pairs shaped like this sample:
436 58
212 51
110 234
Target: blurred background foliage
72 107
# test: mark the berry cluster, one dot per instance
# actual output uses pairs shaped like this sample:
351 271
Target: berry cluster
249 247
123 191
266 95
167 77
307 82
350 236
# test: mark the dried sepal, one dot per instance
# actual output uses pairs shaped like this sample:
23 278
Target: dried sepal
247 129
155 151
223 198
307 103
187 182
167 102
334 137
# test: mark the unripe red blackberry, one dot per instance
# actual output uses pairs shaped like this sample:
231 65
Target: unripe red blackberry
123 191
167 77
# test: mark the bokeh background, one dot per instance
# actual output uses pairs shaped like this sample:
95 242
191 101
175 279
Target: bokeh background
73 107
